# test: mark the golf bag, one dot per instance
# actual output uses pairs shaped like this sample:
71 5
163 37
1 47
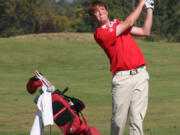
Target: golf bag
66 110
68 116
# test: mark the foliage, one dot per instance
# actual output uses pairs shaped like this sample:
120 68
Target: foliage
14 16
37 16
166 22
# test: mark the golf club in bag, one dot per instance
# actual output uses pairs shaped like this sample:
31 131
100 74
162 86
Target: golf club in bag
66 110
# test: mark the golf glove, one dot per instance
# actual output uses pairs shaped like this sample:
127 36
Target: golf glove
149 4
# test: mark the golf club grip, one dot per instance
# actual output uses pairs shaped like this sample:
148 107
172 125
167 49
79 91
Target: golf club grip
42 78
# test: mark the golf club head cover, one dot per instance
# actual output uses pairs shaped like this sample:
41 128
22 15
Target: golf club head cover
33 84
149 4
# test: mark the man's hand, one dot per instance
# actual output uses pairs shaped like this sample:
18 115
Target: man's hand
149 4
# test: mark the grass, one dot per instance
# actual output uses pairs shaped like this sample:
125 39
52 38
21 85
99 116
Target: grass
83 67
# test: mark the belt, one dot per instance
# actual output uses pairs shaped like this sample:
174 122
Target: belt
131 72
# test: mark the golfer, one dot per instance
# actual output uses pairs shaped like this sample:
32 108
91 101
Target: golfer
130 78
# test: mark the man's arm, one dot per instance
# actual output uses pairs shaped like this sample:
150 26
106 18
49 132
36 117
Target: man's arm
130 20
146 29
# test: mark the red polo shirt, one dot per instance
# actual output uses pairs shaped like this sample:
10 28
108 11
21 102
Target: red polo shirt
122 51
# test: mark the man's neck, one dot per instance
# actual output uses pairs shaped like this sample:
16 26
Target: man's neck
104 23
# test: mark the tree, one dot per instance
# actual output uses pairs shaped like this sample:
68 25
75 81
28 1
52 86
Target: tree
35 16
25 16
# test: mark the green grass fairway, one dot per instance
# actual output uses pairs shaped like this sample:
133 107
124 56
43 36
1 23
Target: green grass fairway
83 67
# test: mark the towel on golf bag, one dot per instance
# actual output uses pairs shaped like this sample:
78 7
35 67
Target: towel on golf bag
66 115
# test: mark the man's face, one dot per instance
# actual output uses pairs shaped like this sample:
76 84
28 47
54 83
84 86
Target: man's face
101 15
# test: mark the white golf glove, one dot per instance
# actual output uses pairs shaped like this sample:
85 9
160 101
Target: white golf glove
149 4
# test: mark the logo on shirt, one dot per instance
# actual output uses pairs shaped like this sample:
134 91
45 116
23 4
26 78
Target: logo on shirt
111 29
110 26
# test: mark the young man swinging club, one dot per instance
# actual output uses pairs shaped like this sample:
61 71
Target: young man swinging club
130 78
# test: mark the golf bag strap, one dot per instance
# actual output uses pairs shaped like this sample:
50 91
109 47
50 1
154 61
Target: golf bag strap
84 126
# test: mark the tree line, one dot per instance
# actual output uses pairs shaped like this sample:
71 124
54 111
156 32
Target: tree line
18 17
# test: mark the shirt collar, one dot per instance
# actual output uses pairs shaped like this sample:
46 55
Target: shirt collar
110 25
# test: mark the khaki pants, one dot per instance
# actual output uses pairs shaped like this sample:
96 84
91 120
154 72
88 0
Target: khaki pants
129 97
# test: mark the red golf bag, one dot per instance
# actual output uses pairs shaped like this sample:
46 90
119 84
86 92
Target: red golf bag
66 110
68 116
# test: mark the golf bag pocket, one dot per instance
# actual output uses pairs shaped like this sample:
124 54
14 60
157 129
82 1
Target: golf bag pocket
63 115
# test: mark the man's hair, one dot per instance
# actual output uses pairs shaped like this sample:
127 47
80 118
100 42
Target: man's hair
94 6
